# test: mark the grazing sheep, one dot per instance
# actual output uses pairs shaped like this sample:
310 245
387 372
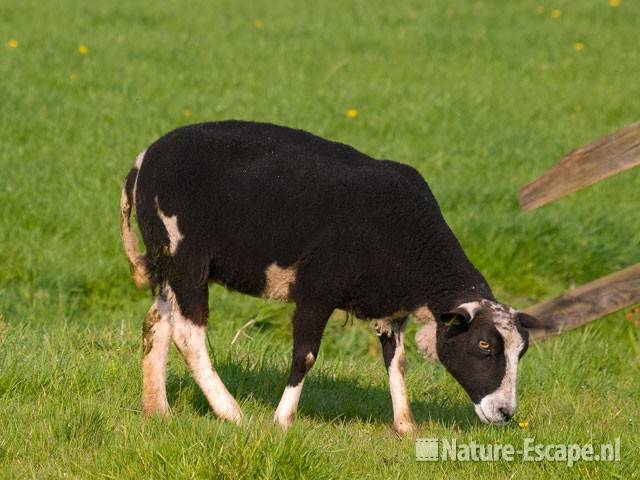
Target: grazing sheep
279 213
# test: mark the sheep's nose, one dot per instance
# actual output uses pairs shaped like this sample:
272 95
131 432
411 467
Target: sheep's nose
506 413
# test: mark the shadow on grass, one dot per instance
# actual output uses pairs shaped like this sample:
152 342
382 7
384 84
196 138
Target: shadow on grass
323 397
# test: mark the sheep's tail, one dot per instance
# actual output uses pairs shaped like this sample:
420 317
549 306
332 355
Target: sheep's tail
136 259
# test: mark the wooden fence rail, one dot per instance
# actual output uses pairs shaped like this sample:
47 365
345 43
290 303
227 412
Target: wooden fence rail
585 166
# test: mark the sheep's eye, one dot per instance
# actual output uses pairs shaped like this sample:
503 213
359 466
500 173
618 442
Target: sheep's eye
484 345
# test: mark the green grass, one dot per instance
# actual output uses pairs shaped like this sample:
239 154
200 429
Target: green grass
480 96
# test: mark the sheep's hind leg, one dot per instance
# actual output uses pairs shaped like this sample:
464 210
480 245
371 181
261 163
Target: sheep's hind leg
189 335
156 338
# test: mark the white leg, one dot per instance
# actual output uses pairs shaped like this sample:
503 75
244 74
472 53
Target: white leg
286 411
156 338
402 418
308 324
191 341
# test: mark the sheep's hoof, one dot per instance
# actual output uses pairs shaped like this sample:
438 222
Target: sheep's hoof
405 427
233 416
284 421
155 409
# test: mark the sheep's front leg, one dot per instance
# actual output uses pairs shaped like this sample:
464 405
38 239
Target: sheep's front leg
394 359
308 326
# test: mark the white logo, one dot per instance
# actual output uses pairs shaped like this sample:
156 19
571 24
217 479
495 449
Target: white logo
433 449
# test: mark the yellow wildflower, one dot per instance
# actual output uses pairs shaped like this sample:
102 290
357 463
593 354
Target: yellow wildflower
83 50
578 46
614 3
186 112
12 43
258 24
556 13
351 113
523 424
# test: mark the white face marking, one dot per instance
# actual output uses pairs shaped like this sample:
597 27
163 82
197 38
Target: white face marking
278 282
502 313
191 341
471 307
171 225
156 340
286 411
505 395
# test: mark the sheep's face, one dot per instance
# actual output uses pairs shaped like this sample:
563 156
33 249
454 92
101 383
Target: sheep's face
480 344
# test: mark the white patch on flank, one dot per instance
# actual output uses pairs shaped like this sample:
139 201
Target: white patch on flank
286 411
505 395
191 341
402 418
171 225
278 282
154 362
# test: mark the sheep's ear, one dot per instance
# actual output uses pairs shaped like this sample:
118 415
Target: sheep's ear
456 318
530 322
454 322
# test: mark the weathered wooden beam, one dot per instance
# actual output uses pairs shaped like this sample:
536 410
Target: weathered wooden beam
588 302
585 166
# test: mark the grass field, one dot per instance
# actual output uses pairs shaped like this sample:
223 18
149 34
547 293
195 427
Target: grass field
480 96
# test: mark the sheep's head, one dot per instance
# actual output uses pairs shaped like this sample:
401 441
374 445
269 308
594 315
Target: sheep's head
480 344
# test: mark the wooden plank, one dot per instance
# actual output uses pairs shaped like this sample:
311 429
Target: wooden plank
585 166
588 302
